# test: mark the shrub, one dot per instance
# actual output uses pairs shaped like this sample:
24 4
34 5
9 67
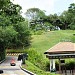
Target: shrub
36 58
39 32
69 64
29 66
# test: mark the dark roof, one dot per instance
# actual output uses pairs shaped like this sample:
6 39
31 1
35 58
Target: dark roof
62 47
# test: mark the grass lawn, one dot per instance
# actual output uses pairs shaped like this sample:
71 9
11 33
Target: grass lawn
48 39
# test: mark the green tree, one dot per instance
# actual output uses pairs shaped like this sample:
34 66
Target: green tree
35 16
71 11
13 28
53 17
68 17
23 37
3 3
53 20
34 13
19 25
48 26
72 25
65 19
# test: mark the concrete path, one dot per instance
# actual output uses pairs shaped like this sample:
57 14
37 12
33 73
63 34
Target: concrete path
12 70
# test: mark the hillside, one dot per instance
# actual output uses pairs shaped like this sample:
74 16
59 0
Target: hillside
41 43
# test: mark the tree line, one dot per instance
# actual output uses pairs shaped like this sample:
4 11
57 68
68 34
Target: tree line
39 20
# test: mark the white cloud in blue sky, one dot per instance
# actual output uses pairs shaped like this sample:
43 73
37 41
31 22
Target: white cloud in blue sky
50 6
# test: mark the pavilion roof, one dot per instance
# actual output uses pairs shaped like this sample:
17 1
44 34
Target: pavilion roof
62 47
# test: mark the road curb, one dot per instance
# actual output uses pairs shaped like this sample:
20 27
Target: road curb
2 61
27 71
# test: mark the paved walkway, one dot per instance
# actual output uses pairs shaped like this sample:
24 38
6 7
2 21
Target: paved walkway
15 72
11 70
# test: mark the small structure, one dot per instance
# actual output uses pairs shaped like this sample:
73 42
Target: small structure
60 51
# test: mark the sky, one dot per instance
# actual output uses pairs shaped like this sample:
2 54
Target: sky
50 6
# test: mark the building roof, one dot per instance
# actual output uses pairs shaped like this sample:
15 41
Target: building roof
62 47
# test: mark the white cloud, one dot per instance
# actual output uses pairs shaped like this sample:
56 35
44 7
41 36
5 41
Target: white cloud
47 5
74 1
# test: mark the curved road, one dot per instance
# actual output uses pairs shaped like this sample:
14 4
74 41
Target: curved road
11 70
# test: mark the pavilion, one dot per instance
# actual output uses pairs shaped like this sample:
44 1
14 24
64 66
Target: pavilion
60 51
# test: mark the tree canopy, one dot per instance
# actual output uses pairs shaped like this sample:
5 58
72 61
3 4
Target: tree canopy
13 27
66 20
34 13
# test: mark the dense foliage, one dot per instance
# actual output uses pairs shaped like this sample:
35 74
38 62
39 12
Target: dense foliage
14 32
66 20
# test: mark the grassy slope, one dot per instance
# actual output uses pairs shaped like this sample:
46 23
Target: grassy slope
35 69
43 42
48 39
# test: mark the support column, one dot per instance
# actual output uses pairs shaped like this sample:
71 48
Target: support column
59 66
52 65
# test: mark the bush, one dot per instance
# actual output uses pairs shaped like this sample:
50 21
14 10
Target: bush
29 66
36 58
47 66
69 64
39 32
